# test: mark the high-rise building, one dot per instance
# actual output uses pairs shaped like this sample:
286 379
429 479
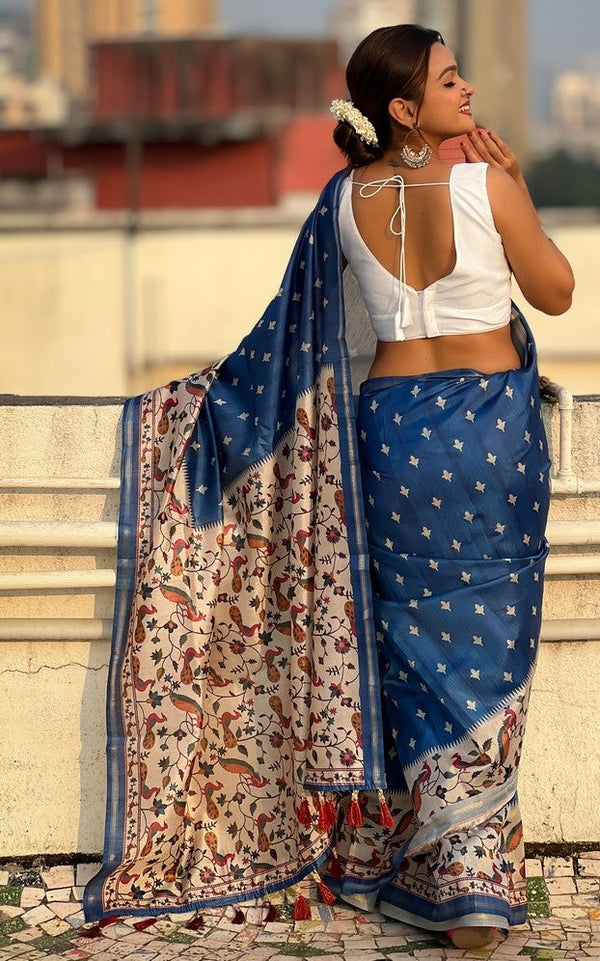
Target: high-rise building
489 38
64 29
115 18
575 123
354 19
493 57
61 44
443 16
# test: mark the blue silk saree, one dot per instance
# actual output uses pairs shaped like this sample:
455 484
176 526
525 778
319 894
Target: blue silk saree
455 476
256 629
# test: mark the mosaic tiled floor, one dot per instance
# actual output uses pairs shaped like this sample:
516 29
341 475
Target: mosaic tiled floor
41 920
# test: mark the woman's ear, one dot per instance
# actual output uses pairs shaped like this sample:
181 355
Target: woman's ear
402 111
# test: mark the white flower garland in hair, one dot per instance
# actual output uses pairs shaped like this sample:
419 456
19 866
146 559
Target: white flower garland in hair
345 110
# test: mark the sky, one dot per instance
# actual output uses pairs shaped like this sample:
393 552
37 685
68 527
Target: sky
564 34
560 29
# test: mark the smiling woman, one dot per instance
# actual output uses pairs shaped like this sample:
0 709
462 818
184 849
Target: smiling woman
275 548
454 508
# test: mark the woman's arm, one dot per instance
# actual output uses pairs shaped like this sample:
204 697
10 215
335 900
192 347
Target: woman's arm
542 272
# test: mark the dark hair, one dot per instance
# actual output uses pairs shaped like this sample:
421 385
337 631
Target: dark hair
390 62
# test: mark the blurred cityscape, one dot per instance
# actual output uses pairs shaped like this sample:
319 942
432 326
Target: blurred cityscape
155 168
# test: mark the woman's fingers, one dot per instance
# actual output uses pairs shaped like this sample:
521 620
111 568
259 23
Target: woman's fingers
497 148
471 150
487 146
478 146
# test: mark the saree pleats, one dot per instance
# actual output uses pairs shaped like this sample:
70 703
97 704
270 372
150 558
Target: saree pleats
455 480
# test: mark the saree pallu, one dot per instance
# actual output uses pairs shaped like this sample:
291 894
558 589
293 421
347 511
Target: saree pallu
243 678
455 478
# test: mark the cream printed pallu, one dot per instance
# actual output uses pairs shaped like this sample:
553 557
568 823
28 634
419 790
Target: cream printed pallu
243 674
248 739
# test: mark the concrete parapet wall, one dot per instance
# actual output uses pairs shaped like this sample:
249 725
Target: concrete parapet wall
90 307
52 691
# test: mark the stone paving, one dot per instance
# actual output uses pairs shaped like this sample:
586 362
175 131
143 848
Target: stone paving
41 920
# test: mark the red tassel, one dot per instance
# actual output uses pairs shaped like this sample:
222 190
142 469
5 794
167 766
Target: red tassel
327 895
332 809
385 818
96 930
196 924
272 914
304 815
146 923
326 815
354 818
335 866
239 917
301 909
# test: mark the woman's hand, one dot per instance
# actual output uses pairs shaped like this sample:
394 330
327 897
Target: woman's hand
485 145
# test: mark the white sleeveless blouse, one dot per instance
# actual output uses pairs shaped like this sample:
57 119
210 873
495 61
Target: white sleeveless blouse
473 297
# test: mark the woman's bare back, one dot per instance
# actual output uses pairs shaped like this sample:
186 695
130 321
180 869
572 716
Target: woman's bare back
430 255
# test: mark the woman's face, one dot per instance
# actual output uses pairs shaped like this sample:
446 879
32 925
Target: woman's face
445 110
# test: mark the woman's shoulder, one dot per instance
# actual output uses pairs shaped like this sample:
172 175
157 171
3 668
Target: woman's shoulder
501 187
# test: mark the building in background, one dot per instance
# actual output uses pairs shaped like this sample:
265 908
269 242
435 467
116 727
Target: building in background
24 100
190 123
494 56
140 238
489 38
159 18
66 28
575 115
354 19
444 16
29 104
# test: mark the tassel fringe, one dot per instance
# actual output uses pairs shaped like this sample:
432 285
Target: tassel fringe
327 895
304 814
146 923
272 914
385 818
335 866
327 814
301 909
354 818
96 930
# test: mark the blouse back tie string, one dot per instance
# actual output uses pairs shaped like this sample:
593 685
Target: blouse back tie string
371 189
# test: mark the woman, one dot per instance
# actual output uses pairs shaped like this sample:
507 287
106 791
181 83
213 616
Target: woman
244 693
455 480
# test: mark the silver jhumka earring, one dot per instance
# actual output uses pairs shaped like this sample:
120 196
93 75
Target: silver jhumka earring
415 158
